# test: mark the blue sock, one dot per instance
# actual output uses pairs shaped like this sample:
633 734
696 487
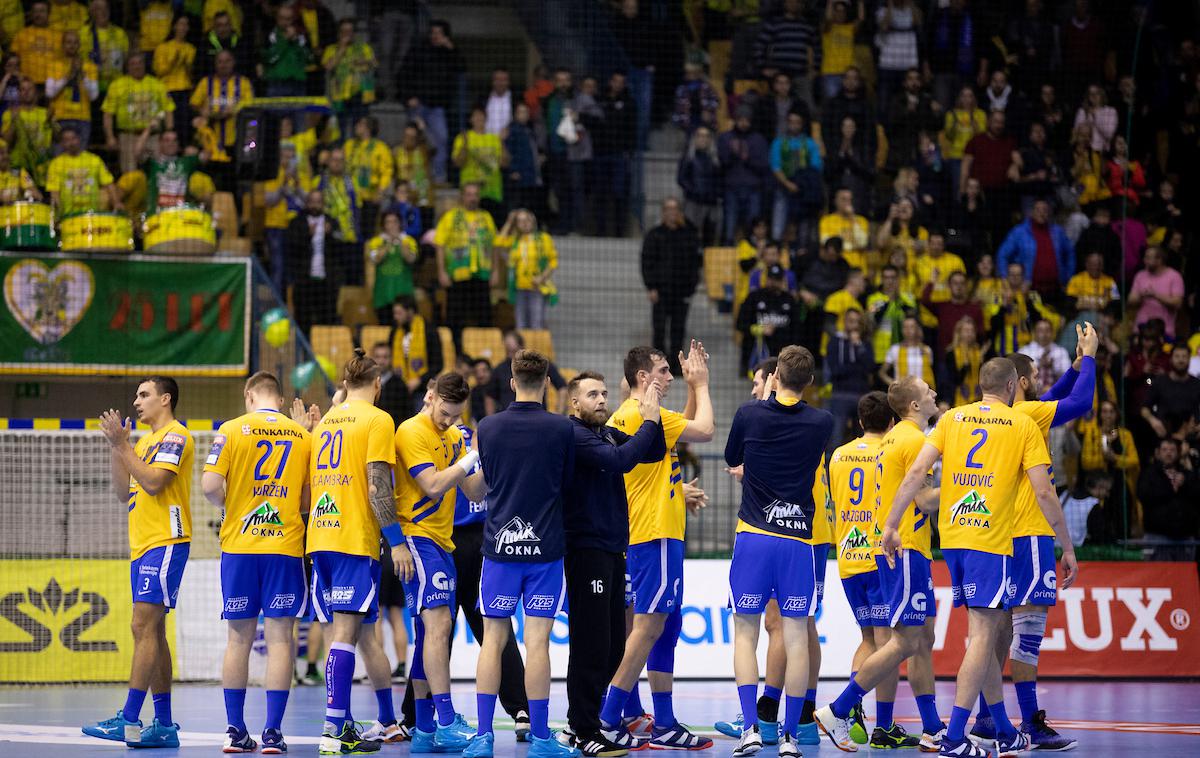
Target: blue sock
539 718
748 697
445 708
387 709
276 705
984 711
931 723
633 702
664 709
614 704
162 707
774 693
883 714
792 708
339 676
958 724
1004 727
133 704
1027 699
235 708
485 706
847 700
423 707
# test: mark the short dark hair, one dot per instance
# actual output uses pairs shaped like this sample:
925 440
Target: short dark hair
836 243
529 369
443 24
874 413
165 385
582 376
767 366
360 370
264 381
452 388
996 373
795 369
640 358
1023 364
516 335
408 302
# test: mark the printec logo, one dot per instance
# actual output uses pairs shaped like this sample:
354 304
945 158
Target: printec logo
442 582
971 510
341 595
263 521
39 613
518 538
855 539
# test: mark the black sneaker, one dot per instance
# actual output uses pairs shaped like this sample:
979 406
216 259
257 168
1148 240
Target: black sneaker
348 742
398 676
893 738
596 745
521 726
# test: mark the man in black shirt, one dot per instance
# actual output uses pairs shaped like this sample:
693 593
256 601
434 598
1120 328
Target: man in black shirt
613 141
671 263
394 396
769 319
1173 398
500 388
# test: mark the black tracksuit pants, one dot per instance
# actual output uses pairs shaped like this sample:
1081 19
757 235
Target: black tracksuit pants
596 616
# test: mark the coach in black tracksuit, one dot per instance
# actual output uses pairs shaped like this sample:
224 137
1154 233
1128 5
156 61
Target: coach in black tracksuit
596 521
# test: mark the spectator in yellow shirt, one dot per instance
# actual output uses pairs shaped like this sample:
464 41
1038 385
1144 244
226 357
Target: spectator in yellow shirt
67 15
12 20
214 7
837 44
37 44
15 183
173 61
412 165
71 87
532 261
350 73
105 44
935 267
216 99
26 127
134 103
851 227
899 229
370 165
78 180
154 24
283 198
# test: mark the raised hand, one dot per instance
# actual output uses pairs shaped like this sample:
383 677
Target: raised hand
116 428
649 406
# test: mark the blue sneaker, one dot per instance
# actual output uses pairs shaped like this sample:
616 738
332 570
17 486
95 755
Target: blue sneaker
550 747
963 748
677 738
480 746
1009 746
731 728
769 731
1042 737
117 728
272 742
238 741
807 734
422 742
454 737
983 733
157 735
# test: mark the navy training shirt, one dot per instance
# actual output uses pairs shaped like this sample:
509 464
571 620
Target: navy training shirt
466 511
528 457
781 447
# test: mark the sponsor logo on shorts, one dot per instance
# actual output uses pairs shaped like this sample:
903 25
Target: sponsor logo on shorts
283 602
541 602
145 569
1050 579
503 603
862 613
794 603
919 602
518 538
969 590
442 582
1010 589
341 595
749 601
236 604
880 611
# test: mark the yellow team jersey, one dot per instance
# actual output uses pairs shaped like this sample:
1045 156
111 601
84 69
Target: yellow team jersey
173 64
654 490
350 436
419 445
928 269
155 24
855 234
1102 288
222 97
1030 519
986 450
38 47
165 518
72 101
370 165
134 103
67 16
108 48
852 486
263 457
897 452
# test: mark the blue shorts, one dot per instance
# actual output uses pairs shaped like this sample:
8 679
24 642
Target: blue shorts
1032 570
979 579
503 585
764 567
821 553
155 576
866 599
628 589
907 590
345 583
433 582
656 571
273 584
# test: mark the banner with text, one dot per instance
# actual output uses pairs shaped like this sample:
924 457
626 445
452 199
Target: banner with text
89 314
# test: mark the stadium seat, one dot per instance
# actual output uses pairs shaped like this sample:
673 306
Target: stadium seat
449 354
486 343
334 342
372 334
720 264
225 214
539 340
355 306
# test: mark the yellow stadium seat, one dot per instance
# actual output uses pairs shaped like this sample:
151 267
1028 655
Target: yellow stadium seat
539 340
370 335
720 265
334 342
486 343
355 306
449 355
225 214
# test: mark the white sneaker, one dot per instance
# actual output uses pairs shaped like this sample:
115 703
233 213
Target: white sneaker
750 743
788 747
566 737
932 743
837 729
378 732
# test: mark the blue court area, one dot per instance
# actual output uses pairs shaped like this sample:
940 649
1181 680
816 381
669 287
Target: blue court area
1109 718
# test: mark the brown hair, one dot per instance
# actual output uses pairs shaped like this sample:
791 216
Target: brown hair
264 381
902 393
451 388
360 370
529 369
795 369
580 378
640 358
995 374
1023 364
165 385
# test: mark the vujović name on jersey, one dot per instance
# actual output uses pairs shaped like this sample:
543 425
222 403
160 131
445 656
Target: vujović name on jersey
517 538
971 509
263 521
789 516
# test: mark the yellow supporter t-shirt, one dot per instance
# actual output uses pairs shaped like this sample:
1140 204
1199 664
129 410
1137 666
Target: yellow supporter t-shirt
263 457
173 64
165 518
135 103
852 485
1083 285
112 45
72 101
78 181
350 436
855 234
1030 519
986 450
67 16
155 24
897 452
419 446
38 48
654 490
926 269
837 49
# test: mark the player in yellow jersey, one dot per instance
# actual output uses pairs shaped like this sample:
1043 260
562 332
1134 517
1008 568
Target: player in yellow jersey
257 473
987 448
350 477
432 462
154 477
657 518
1032 569
906 587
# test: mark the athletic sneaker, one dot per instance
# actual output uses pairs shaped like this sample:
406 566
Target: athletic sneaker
550 748
1042 737
311 678
521 726
1009 746
836 729
735 728
963 748
932 743
389 732
238 742
788 747
749 743
677 738
566 736
480 746
346 742
983 732
446 739
272 742
597 745
893 738
157 734
807 734
399 676
858 725
639 726
621 736
117 728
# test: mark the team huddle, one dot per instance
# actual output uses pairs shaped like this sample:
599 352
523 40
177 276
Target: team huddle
586 514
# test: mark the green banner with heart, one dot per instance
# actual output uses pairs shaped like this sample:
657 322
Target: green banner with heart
97 314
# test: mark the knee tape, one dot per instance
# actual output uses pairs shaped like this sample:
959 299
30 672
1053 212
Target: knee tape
1028 629
662 655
